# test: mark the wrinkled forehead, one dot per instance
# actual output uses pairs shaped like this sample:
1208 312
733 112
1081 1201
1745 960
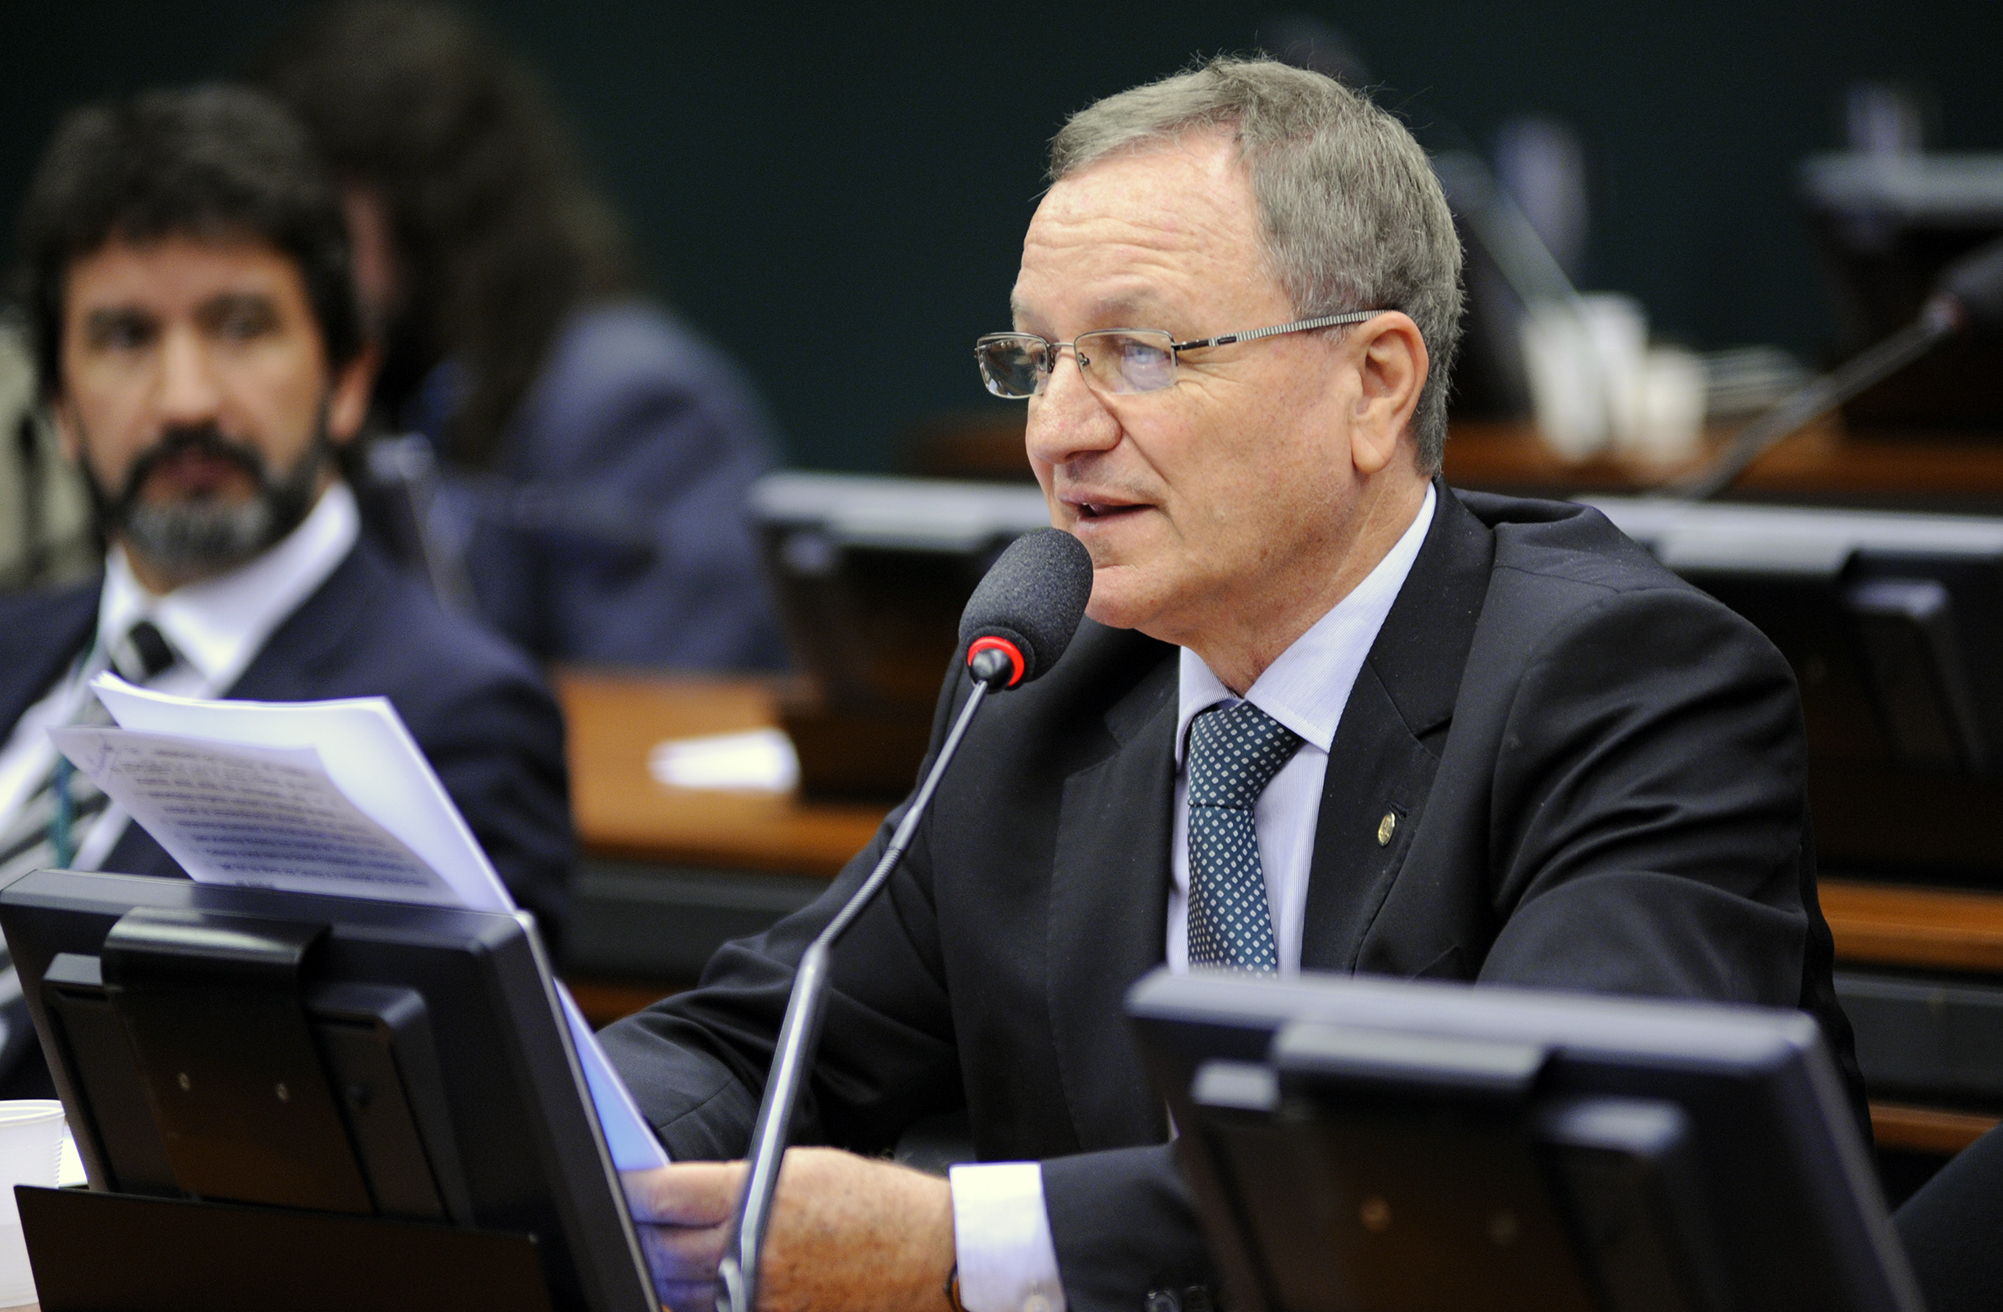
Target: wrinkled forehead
1144 225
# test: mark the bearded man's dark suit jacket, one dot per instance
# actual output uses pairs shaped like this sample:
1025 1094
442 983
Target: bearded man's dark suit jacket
478 708
1598 774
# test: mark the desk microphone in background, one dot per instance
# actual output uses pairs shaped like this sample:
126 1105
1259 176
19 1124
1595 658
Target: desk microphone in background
1966 302
1018 622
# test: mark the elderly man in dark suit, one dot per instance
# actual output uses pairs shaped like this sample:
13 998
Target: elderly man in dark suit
1326 713
203 358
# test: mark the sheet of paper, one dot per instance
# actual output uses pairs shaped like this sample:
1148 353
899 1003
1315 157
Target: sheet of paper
367 753
758 760
627 1134
266 817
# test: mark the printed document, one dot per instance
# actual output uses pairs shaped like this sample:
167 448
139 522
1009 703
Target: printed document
262 816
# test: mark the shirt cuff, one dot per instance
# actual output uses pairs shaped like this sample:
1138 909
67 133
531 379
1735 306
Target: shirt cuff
1001 1239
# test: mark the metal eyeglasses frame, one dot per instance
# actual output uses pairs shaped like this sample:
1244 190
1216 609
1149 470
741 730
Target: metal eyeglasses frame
1176 348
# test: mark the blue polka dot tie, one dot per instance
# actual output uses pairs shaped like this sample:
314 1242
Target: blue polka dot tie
1233 754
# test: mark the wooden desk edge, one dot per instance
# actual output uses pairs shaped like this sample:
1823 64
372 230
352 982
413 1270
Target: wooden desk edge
1927 1129
1933 929
1823 460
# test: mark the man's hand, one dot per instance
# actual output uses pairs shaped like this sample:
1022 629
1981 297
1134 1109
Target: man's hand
846 1232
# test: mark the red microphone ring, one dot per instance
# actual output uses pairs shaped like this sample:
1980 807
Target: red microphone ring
1003 645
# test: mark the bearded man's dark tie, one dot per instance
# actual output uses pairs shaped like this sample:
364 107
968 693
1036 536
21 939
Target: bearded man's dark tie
52 823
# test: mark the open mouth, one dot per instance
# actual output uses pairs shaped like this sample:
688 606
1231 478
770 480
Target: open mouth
1103 510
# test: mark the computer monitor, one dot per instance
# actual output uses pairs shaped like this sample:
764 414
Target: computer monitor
386 1091
1378 1145
872 572
870 575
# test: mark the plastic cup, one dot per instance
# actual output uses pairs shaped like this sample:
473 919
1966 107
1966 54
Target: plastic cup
1670 402
1585 364
31 1151
1617 327
1567 383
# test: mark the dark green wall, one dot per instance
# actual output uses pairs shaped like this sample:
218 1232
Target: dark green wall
838 195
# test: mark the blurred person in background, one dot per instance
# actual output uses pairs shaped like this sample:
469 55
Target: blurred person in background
199 347
596 452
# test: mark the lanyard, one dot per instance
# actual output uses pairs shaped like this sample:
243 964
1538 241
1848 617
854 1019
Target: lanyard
61 822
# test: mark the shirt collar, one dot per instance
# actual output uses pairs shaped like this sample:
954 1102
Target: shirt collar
1306 688
218 625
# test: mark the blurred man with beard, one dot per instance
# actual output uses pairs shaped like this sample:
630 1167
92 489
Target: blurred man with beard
186 272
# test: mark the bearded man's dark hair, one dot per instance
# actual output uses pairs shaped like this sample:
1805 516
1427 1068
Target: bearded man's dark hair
212 162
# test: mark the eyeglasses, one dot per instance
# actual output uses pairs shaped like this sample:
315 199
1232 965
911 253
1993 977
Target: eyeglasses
1014 365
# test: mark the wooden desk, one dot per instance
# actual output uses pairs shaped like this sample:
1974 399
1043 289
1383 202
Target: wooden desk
622 811
1821 464
1934 929
639 833
1925 929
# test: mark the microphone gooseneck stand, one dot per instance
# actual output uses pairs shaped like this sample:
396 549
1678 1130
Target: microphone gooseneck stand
1939 321
1966 301
801 1029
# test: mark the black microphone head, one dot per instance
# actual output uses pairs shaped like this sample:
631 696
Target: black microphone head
1029 604
1975 284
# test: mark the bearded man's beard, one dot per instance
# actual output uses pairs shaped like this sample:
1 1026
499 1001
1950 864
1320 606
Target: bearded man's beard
200 537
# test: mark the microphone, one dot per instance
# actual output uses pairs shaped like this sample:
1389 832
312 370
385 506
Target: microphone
1967 301
1015 627
1025 610
1971 289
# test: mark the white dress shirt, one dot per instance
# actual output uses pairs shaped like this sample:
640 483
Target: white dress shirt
1008 1260
216 626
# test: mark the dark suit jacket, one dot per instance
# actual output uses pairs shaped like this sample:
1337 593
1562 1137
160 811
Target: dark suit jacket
1598 774
477 707
648 439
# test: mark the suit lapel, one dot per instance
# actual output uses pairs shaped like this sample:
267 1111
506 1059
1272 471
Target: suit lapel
293 660
1109 915
1386 749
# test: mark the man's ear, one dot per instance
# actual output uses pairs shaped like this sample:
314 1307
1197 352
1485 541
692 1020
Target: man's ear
1391 360
348 399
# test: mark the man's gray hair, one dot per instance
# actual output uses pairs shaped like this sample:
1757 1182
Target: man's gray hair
1354 218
